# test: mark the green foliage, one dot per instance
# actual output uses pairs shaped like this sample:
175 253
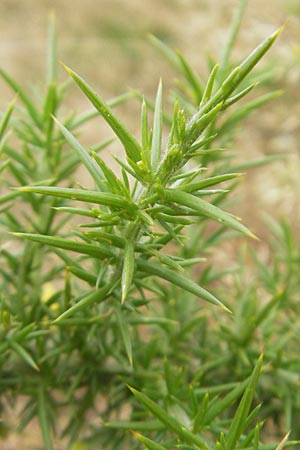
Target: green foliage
122 299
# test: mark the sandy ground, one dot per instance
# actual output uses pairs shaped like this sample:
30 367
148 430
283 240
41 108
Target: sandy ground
105 41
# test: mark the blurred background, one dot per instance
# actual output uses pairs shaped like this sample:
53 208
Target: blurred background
106 42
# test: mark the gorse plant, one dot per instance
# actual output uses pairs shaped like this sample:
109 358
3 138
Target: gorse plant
161 191
124 310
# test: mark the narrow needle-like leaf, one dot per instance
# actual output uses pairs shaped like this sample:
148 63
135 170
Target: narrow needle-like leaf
144 426
240 417
23 97
44 418
131 146
168 53
247 65
83 303
283 441
157 129
190 76
209 86
151 445
96 251
144 130
207 182
233 34
128 268
6 117
206 209
237 75
168 421
84 156
179 280
23 353
101 198
125 332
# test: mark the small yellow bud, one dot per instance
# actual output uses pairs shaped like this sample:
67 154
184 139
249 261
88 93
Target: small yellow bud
48 290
